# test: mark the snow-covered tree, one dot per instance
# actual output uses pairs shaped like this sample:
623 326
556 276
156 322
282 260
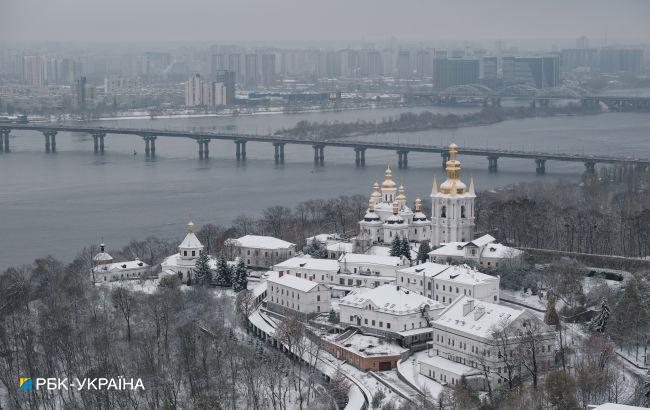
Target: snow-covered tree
203 275
316 249
223 276
240 276
423 251
396 247
599 323
406 249
551 317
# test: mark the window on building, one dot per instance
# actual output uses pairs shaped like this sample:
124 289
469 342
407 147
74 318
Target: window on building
387 325
184 253
193 253
462 212
373 322
365 321
351 318
381 324
443 212
317 298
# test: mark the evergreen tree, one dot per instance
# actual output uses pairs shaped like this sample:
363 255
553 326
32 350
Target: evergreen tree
202 269
240 276
551 317
406 249
396 247
423 251
599 323
316 249
223 276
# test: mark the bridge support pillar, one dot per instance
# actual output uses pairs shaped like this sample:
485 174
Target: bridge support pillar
279 152
152 141
4 140
492 163
319 154
590 166
540 166
50 140
98 142
402 159
360 156
243 149
204 150
238 150
445 158
147 146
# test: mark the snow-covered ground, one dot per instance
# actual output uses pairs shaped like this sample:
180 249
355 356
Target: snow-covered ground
409 370
527 299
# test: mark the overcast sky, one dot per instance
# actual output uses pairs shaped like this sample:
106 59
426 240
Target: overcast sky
321 20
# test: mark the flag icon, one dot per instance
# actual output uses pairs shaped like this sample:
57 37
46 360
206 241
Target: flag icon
25 384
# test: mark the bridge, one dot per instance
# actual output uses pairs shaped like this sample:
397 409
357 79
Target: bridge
202 138
538 97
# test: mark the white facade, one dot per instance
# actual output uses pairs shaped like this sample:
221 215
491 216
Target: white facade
446 283
371 265
452 206
483 251
389 310
263 251
389 217
288 292
463 334
328 272
106 270
452 211
182 264
135 269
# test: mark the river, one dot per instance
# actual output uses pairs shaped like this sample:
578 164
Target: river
58 203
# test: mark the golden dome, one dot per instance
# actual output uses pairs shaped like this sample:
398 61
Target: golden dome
418 205
388 183
453 185
401 198
395 207
190 227
371 205
375 191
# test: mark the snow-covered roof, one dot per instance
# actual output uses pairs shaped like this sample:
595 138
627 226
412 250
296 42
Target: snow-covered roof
428 269
389 299
497 250
324 238
615 406
308 263
385 251
453 316
490 249
102 256
450 249
465 275
370 259
190 242
346 247
451 366
293 282
174 261
263 242
483 240
121 266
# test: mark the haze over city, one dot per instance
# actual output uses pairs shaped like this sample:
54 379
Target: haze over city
336 21
296 205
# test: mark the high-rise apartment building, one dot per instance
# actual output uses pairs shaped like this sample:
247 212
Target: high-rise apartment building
251 76
268 69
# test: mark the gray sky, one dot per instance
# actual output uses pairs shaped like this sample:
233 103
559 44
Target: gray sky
320 20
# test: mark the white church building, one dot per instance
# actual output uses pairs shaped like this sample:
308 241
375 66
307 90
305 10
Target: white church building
182 264
452 211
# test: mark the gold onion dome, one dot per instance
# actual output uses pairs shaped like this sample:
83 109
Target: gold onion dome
190 227
453 185
388 183
402 194
418 205
375 191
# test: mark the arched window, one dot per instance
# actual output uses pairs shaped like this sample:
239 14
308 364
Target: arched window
443 211
462 212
